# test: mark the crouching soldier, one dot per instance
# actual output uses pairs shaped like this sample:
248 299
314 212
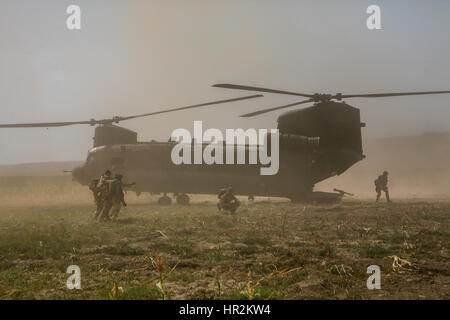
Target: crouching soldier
227 201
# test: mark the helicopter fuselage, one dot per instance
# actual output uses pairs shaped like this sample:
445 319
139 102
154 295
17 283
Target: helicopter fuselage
316 143
150 166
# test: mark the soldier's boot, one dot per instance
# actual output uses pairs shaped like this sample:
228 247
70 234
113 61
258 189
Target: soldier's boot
222 206
104 216
122 199
115 211
97 212
114 215
387 196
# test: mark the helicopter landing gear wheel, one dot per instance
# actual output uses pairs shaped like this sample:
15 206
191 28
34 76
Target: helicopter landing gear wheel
183 199
165 200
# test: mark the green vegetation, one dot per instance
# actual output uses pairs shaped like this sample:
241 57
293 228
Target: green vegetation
271 250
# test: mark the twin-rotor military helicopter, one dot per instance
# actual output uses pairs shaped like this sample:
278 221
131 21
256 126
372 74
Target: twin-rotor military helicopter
317 142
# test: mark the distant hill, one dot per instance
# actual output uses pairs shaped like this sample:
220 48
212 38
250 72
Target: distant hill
38 169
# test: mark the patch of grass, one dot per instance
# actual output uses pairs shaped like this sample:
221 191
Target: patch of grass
307 252
254 240
210 255
12 278
261 293
185 276
127 221
178 247
139 292
327 250
373 251
249 250
38 243
5 265
117 266
120 250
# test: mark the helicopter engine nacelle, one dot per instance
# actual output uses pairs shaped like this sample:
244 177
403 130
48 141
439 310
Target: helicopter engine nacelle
107 135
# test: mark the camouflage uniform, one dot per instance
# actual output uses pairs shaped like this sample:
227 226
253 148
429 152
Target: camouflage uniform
114 198
94 187
105 179
227 200
381 185
103 187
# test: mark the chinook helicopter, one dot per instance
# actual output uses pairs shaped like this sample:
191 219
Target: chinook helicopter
315 143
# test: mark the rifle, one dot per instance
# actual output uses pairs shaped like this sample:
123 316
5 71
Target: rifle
343 193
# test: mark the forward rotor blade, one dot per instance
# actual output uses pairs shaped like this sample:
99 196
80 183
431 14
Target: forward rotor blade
43 124
239 87
256 113
189 107
117 119
394 94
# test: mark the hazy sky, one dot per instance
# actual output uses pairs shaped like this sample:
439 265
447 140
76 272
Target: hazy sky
140 56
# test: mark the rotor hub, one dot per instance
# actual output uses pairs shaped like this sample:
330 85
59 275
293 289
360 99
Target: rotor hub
322 97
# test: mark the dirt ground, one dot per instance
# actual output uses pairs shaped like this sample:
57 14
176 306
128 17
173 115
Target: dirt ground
270 249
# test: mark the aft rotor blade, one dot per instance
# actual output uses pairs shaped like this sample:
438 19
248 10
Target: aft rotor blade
190 107
256 113
239 87
394 94
43 124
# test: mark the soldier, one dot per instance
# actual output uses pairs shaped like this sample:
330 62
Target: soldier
103 190
114 198
227 200
381 185
103 187
118 196
104 178
94 187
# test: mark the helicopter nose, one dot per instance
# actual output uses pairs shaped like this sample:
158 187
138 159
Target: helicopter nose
78 174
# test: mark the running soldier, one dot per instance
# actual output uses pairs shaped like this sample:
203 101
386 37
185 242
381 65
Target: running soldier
94 187
105 178
381 184
114 199
103 187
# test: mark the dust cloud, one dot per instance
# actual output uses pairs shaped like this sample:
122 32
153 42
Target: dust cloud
418 167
